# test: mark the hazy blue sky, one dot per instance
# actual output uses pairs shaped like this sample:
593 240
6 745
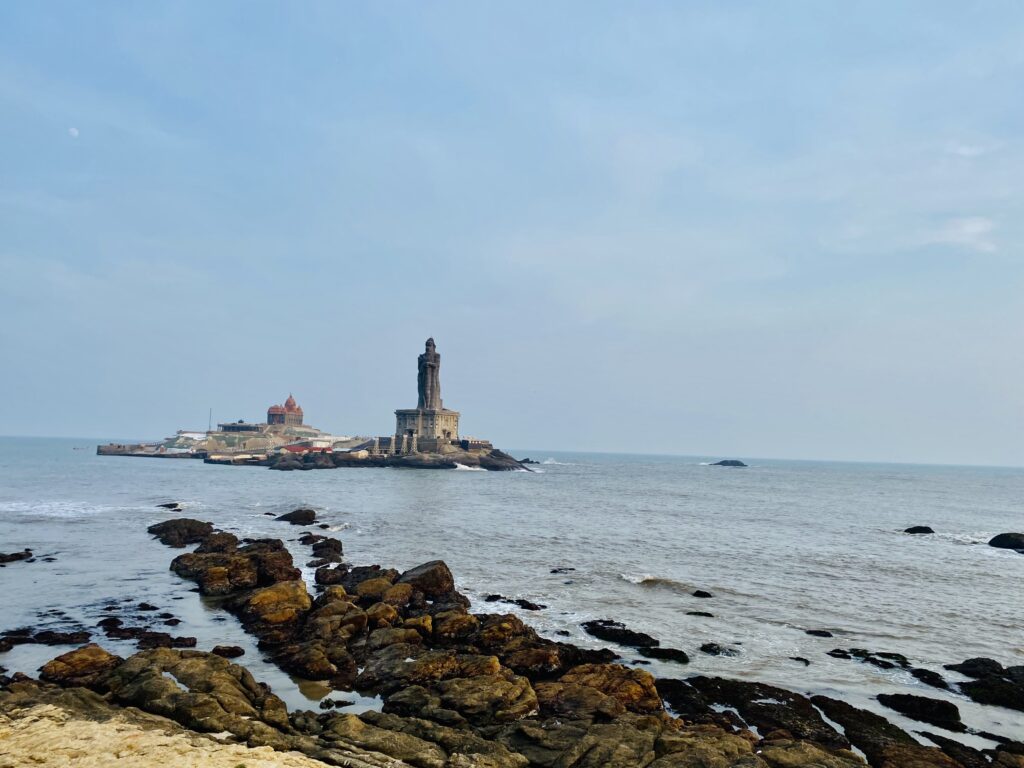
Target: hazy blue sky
732 229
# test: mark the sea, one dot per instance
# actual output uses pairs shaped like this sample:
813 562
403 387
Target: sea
782 546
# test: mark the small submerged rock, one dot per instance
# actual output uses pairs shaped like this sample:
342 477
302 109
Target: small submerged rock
729 463
14 557
526 605
298 517
918 529
228 651
705 614
665 654
616 632
714 649
701 593
818 632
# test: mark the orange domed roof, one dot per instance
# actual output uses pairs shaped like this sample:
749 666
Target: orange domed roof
290 404
275 409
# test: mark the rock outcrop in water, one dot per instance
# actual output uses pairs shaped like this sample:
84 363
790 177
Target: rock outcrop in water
474 690
1008 541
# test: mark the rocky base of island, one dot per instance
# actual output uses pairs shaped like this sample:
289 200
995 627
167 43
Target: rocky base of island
458 689
490 459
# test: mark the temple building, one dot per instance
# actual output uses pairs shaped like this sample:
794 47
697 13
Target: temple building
290 413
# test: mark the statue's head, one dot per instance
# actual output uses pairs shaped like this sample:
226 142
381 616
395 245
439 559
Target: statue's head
430 344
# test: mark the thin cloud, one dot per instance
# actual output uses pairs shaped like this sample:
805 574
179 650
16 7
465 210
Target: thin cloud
73 132
972 232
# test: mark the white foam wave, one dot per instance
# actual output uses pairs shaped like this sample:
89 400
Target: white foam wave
61 509
558 463
464 468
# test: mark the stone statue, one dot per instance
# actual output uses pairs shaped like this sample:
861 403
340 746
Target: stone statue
429 379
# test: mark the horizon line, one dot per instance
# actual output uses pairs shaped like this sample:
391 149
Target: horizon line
660 455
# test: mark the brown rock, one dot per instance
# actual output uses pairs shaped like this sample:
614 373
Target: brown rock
181 531
452 626
398 595
381 614
87 666
372 588
576 701
633 688
433 579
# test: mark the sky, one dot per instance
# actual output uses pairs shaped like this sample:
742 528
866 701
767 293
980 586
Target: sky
786 229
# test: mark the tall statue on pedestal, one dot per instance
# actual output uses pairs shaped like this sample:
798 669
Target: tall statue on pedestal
429 379
429 425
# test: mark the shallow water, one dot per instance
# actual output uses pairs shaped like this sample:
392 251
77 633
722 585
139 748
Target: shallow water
783 546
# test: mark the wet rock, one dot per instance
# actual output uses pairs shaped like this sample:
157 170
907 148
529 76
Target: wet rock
327 575
800 659
172 622
633 688
938 712
218 542
87 666
616 632
885 745
228 651
328 549
174 506
181 531
818 632
299 517
14 557
562 569
701 613
109 622
977 667
50 637
928 677
966 756
918 529
771 709
880 659
729 463
666 654
1008 541
521 602
146 607
433 579
702 594
1005 690
714 649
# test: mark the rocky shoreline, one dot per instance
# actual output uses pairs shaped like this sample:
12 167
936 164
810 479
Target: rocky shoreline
457 688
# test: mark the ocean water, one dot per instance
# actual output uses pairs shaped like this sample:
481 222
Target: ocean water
783 546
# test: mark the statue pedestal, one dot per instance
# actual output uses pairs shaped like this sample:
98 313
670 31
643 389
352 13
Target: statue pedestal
441 424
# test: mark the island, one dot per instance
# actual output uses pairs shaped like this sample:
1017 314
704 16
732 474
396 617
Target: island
425 437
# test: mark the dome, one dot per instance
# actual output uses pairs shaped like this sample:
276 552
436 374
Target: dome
290 404
275 409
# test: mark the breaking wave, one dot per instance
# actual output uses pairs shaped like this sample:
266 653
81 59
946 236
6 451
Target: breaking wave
465 468
649 580
61 509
